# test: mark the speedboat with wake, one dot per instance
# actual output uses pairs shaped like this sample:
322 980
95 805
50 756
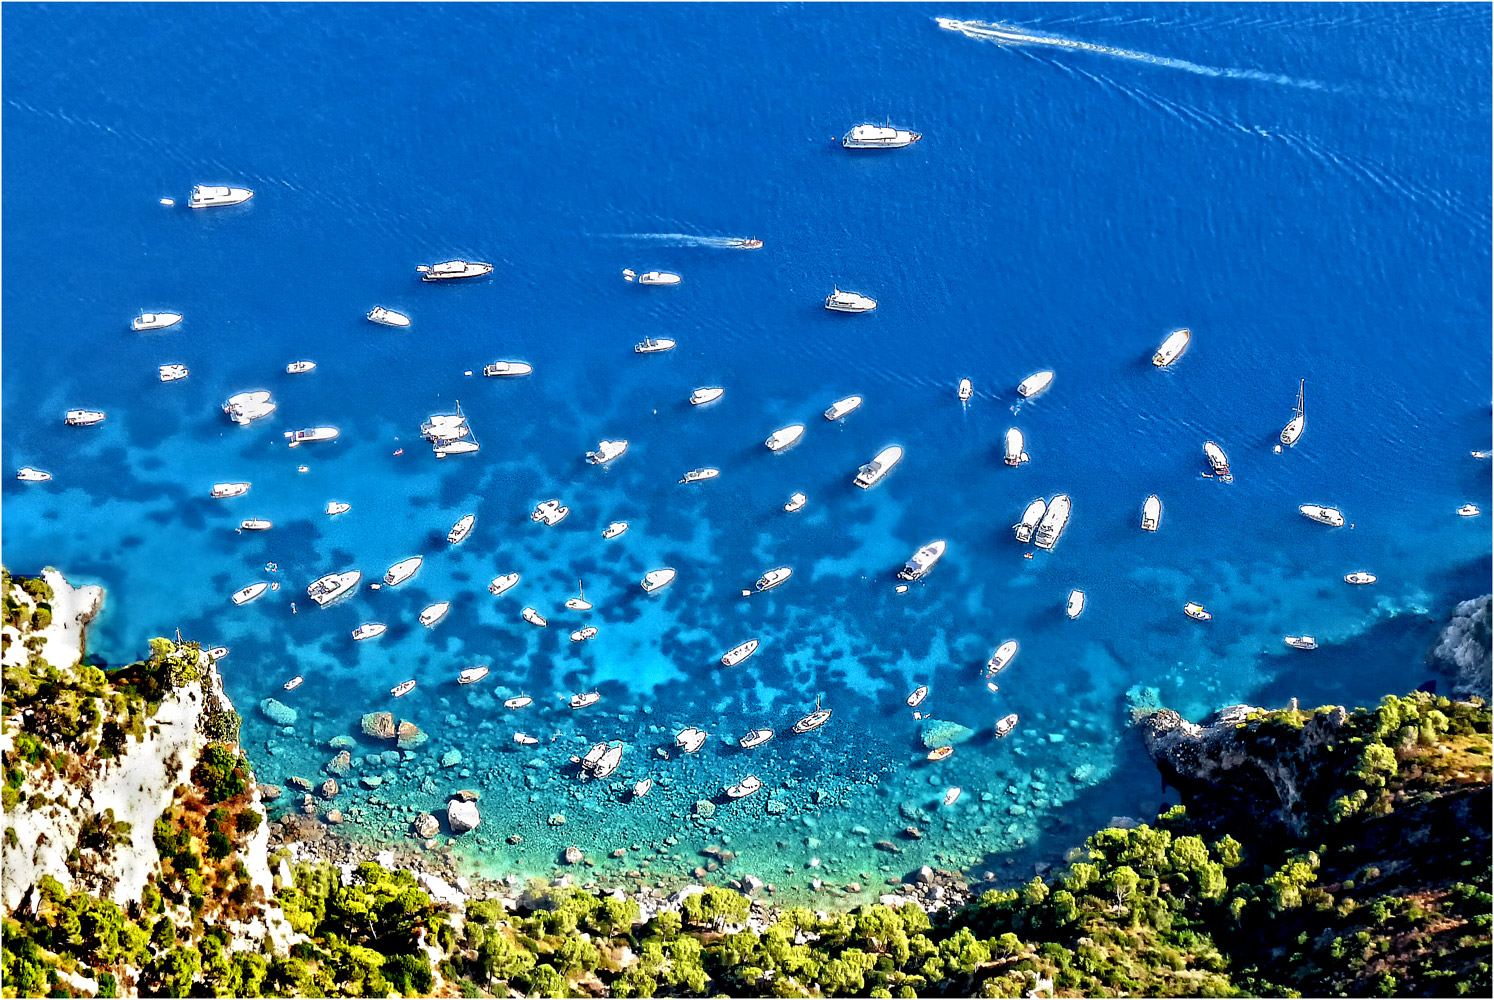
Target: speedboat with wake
755 738
1030 519
709 394
387 317
965 390
922 561
249 593
329 588
461 529
849 302
369 630
813 720
1015 456
606 452
866 136
506 369
744 788
1331 516
1002 658
841 407
453 269
737 654
502 583
434 613
784 437
402 571
1034 384
154 321
217 196
1172 348
748 244
657 578
872 472
223 491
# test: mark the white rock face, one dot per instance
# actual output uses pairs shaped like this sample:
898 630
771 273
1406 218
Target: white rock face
462 816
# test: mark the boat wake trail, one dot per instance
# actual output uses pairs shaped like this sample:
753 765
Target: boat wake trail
1005 35
685 240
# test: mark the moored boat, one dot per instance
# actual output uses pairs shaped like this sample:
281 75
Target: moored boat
951 795
1331 516
643 787
249 593
1361 578
708 394
1218 462
1002 657
222 491
1468 510
294 683
83 418
525 740
841 407
243 407
387 317
300 367
737 654
507 369
1005 724
649 345
813 720
335 507
1301 642
218 652
26 474
849 302
796 503
1030 519
579 603
1034 384
255 524
1196 611
755 738
1172 348
1076 604
522 701
606 452
607 763
453 269
329 588
919 693
659 278
941 753
154 321
582 634
1053 522
867 136
368 630
173 373
1293 430
217 196
872 472
690 739
922 561
699 475
1151 513
784 437
1014 454
773 578
309 434
583 700
461 529
403 688
614 529
533 617
473 674
402 571
550 512
745 787
657 578
434 613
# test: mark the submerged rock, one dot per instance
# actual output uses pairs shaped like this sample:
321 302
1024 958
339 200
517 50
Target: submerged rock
409 736
940 733
281 715
342 742
427 826
705 807
341 764
573 855
371 781
379 725
556 819
462 816
451 758
329 789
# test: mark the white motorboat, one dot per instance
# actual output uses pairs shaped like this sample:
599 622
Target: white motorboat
1075 606
26 474
1034 384
737 654
387 317
773 578
522 701
335 507
841 407
154 321
249 593
83 418
255 524
872 472
784 437
1151 513
218 652
699 475
755 738
690 739
473 674
533 617
1053 522
1361 578
502 583
450 270
582 634
965 390
461 529
1005 724
919 693
796 503
1301 641
369 630
222 491
550 512
456 448
524 739
606 452
217 196
746 244
1195 610
1323 515
1468 510
643 787
1015 456
403 688
294 683
1293 430
709 394
332 586
922 561
813 720
849 302
1218 462
657 578
505 369
658 278
744 788
614 529
402 571
299 367
1172 348
611 757
310 434
878 137
952 795
246 406
1030 519
1005 653
583 700
651 346
173 373
434 613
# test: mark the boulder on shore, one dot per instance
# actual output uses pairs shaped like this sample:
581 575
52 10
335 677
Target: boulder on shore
462 816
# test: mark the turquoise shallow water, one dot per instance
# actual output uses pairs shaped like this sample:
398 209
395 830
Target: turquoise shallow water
1067 207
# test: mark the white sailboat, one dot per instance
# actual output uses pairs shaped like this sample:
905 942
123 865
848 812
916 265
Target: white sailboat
1293 430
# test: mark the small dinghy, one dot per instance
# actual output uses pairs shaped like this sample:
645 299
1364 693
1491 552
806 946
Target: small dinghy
522 701
402 689
966 390
335 507
941 753
472 675
502 583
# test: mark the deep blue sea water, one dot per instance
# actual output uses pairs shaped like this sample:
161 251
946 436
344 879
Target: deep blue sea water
1304 186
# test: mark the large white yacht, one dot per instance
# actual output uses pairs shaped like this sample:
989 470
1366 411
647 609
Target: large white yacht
369 630
310 434
440 429
737 654
243 407
300 367
1053 522
1034 384
614 529
452 269
504 369
502 583
849 302
402 571
1002 658
1172 348
841 407
867 136
332 586
30 475
473 674
83 418
699 475
606 452
708 394
658 278
1151 513
550 512
1324 515
154 321
1218 462
784 437
651 346
222 491
690 739
173 373
434 613
657 578
872 472
745 787
773 578
1030 518
922 561
461 529
249 593
1015 456
611 757
215 196
1293 430
387 317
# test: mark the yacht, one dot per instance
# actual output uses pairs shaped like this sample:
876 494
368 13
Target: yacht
872 472
472 675
249 593
246 406
966 390
878 137
841 407
434 613
502 583
606 452
583 700
1034 384
402 571
813 720
1075 606
796 503
1030 519
332 586
849 302
709 394
299 367
401 689
643 787
1053 522
582 634
737 654
1468 510
690 739
550 512
1151 513
785 436
1361 578
83 418
173 373
294 683
335 507
215 196
522 701
1301 642
461 529
1002 658
369 630
298 438
1293 430
940 753
614 529
922 561
1005 724
1172 348
1323 515
533 617
755 738
579 603
222 491
455 448
651 346
919 693
773 578
255 524
524 739
611 757
744 788
501 369
30 475
654 579
154 321
1015 456
700 475
443 428
952 795
658 278
387 317
452 269
1197 611
1218 462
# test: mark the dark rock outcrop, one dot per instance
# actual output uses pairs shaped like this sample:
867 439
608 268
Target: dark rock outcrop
1464 650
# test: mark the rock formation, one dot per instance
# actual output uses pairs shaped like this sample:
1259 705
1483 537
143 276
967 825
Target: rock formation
1463 649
